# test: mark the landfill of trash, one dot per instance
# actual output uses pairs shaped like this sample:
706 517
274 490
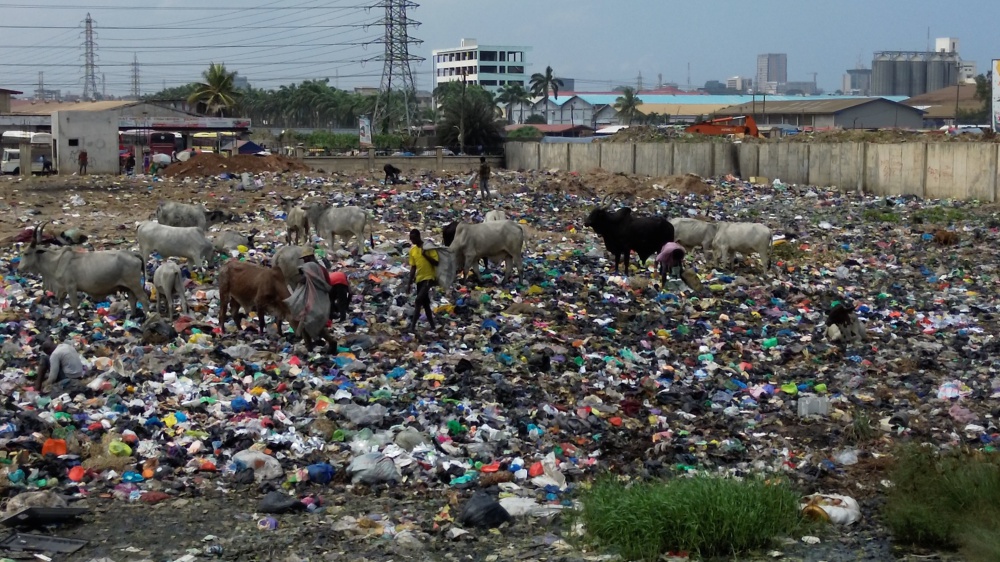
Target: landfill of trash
526 392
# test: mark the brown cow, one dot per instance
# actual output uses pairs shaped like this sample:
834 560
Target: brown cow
249 286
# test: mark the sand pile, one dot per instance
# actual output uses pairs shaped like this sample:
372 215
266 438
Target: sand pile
204 165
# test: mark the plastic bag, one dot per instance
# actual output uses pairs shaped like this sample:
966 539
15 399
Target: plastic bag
471 182
446 267
363 415
483 511
373 468
842 510
264 467
277 502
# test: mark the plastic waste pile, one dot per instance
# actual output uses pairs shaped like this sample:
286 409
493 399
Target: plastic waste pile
530 387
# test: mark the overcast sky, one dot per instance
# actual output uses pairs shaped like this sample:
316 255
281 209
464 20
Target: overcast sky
595 41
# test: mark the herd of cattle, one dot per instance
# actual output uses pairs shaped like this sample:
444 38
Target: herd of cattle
181 230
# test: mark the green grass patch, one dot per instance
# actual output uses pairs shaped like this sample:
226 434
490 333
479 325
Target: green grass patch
940 214
786 252
874 215
946 501
703 515
861 429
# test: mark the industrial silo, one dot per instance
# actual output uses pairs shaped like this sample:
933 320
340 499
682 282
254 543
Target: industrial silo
951 66
882 75
937 73
901 80
918 75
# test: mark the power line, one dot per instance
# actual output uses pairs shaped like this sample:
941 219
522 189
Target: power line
200 8
190 28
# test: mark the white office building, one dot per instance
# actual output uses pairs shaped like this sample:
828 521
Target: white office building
490 66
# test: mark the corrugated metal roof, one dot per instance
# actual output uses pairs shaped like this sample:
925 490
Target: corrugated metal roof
548 128
31 107
692 99
680 108
800 106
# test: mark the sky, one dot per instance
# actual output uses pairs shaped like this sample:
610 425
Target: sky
596 42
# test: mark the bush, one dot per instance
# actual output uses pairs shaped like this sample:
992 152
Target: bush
949 501
703 515
524 133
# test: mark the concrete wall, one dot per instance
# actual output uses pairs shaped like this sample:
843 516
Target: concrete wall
375 164
931 170
95 131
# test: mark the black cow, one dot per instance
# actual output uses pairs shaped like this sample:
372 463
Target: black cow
391 174
623 233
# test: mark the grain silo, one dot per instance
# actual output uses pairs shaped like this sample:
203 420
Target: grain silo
901 77
918 75
937 72
882 75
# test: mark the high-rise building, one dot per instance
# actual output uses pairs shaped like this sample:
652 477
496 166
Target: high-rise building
772 68
858 81
739 83
490 66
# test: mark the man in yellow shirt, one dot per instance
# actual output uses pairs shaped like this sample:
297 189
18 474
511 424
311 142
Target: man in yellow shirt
423 269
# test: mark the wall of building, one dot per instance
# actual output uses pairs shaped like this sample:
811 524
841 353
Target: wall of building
930 170
879 115
94 131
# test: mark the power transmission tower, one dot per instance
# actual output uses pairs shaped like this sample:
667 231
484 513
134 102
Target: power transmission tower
40 95
638 83
89 59
104 86
135 76
396 72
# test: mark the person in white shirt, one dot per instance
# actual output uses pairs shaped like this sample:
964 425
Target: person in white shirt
58 362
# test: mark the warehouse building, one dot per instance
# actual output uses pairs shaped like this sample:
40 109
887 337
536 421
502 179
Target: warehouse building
858 113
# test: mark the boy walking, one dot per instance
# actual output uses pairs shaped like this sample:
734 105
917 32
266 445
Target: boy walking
484 177
423 269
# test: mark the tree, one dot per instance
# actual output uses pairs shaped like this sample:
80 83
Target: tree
542 84
469 121
535 119
513 93
217 93
175 93
627 105
525 134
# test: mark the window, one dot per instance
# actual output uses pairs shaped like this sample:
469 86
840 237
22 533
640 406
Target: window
488 55
489 82
74 142
515 70
503 70
503 55
488 69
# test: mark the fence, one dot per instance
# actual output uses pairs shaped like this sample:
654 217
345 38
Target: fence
958 170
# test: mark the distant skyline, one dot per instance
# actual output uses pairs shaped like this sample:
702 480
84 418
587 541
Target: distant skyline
599 43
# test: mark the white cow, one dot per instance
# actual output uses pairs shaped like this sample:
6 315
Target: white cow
743 237
169 283
693 233
496 240
495 215
346 222
174 241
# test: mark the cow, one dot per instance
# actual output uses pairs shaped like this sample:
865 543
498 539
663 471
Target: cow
98 274
229 240
171 213
287 259
497 240
296 222
623 233
169 282
495 215
692 233
745 238
252 286
174 241
344 221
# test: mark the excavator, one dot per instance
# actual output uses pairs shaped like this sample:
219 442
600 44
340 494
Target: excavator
716 127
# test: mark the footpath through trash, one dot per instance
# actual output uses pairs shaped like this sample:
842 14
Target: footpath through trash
527 390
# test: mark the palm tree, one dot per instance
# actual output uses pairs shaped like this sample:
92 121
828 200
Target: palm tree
513 93
542 84
627 105
217 93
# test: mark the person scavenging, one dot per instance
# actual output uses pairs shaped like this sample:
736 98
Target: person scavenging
484 178
391 174
423 270
58 363
340 294
670 260
310 303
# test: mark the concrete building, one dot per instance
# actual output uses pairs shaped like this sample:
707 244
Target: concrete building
490 66
772 68
858 81
857 113
93 131
568 85
5 100
739 83
807 88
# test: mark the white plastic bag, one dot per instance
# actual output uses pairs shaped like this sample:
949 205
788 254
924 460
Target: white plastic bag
841 510
373 468
471 182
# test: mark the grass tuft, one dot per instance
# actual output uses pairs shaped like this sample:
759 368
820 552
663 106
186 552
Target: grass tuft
946 501
874 215
939 214
702 515
861 429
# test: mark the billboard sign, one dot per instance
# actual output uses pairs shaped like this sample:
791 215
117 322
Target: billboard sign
365 132
995 95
